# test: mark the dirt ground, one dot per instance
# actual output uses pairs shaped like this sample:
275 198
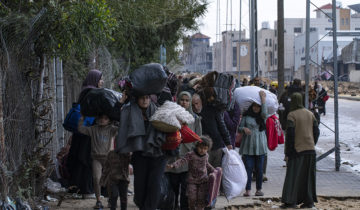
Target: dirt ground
338 203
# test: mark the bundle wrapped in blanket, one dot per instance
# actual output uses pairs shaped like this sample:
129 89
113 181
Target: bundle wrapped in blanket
170 116
247 95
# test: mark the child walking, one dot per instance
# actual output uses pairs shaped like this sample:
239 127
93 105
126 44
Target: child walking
199 168
101 134
116 178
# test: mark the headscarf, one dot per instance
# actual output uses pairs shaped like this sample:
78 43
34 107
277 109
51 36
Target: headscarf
296 102
92 79
190 101
259 120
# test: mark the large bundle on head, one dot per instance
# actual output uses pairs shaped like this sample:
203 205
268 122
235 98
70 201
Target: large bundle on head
170 116
100 101
247 95
148 79
218 89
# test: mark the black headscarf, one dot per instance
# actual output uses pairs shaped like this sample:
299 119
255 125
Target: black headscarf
259 120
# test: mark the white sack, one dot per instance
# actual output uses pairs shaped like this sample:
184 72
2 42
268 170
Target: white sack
234 174
172 114
245 96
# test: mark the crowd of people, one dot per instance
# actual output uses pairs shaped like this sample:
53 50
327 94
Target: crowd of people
103 155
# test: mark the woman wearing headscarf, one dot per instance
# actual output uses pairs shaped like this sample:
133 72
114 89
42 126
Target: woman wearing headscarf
137 135
302 134
253 146
79 159
178 176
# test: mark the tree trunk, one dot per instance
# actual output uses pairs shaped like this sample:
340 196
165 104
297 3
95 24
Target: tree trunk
280 33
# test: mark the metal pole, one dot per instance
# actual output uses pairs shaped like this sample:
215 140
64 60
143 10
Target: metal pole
307 50
336 105
256 61
239 40
280 37
252 49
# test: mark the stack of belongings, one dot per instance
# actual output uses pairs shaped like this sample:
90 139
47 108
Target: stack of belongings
99 101
172 118
247 95
217 89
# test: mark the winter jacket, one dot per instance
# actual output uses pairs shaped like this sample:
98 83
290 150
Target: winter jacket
232 120
214 126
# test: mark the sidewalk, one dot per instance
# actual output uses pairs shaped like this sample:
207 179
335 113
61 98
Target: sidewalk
329 182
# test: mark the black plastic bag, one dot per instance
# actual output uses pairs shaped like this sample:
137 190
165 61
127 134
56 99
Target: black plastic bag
167 195
101 101
148 79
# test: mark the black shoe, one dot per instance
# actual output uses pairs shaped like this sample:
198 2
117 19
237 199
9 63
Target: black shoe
307 206
98 205
288 206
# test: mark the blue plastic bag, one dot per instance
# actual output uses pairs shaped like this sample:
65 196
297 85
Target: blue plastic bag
72 119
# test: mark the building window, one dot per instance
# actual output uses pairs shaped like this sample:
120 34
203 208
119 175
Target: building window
297 30
342 21
270 42
328 29
312 29
357 29
271 59
275 61
266 42
265 53
347 21
357 67
275 46
234 56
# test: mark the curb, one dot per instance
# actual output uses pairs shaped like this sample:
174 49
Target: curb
352 98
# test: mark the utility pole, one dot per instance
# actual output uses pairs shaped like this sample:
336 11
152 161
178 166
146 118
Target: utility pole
280 36
307 52
256 40
336 104
239 41
252 37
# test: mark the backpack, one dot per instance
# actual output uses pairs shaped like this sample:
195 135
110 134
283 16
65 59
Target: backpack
274 133
72 119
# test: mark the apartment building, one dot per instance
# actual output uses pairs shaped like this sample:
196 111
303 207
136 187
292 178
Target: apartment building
197 53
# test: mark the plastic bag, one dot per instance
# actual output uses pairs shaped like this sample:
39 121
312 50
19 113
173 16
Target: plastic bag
234 174
8 204
101 101
167 195
148 79
53 187
245 96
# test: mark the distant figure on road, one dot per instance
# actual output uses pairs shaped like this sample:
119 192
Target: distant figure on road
301 136
322 97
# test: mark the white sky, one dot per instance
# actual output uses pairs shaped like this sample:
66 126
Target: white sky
267 11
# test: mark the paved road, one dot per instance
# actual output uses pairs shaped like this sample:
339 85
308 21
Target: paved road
349 132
